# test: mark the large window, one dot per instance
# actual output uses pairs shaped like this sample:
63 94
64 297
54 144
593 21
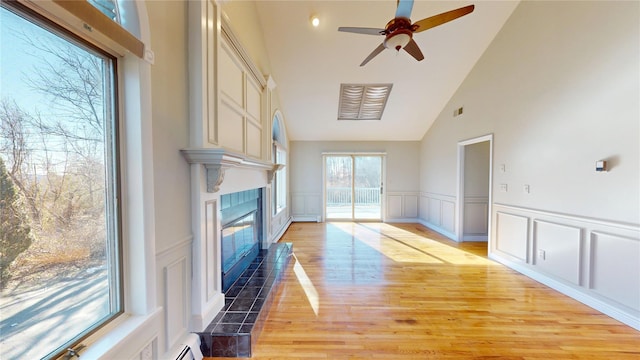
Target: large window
279 157
280 182
59 239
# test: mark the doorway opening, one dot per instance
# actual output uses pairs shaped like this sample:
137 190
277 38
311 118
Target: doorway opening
353 187
474 199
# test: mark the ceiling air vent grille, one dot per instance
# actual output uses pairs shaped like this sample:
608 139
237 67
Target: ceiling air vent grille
363 102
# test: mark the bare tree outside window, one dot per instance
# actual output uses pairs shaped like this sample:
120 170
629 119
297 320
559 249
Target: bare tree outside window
57 165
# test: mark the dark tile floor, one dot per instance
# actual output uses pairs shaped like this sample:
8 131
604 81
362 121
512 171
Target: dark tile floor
236 328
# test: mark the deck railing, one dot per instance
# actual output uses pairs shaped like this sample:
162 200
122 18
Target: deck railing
337 196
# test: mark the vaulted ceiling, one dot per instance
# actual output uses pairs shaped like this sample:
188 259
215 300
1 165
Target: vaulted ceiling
309 64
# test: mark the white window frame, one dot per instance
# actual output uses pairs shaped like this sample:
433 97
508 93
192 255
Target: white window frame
138 326
280 180
279 188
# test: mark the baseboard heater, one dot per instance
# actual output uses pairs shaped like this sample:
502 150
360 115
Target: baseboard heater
186 354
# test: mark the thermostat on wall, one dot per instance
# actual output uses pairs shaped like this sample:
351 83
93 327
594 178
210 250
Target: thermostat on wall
601 165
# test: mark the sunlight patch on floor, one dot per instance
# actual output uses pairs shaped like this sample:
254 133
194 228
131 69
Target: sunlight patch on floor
309 290
405 246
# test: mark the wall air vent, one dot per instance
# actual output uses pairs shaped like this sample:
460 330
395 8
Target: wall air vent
363 102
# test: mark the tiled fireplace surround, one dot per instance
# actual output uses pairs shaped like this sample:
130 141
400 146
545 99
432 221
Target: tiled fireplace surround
236 327
235 330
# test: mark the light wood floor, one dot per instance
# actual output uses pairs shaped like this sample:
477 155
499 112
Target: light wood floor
383 291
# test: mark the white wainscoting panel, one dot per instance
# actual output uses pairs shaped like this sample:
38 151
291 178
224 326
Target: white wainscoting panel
476 216
230 129
594 261
211 231
435 211
174 282
240 123
297 204
176 278
306 206
279 224
410 206
231 76
423 205
438 212
401 206
448 212
562 247
512 235
394 206
615 268
254 143
253 99
313 204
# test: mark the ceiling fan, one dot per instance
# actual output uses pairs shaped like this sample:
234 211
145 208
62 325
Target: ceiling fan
399 31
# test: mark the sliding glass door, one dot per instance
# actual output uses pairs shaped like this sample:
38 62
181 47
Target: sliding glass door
353 187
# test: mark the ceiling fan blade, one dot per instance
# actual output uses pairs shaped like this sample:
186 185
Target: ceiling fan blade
433 21
404 8
361 30
413 50
373 54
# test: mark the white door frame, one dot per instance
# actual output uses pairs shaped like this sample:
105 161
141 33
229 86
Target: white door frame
383 179
460 199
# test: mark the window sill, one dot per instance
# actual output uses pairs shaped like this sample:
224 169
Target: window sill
124 336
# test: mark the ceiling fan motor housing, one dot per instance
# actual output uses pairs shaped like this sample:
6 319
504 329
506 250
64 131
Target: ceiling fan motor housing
399 33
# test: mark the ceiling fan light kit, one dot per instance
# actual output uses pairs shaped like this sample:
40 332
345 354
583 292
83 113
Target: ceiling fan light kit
399 41
399 31
315 21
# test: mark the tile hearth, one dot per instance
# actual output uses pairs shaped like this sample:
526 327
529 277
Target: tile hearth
234 331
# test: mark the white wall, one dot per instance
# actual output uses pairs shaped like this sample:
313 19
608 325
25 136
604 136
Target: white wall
559 92
170 110
401 175
559 89
243 17
170 121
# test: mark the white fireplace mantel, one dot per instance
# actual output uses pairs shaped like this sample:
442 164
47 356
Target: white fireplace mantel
217 160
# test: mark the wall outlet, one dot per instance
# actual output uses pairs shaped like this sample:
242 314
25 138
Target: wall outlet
503 187
541 254
527 188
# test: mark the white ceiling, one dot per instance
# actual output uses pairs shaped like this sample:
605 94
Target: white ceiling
309 64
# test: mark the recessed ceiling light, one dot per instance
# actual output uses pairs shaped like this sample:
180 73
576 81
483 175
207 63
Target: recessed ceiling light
315 21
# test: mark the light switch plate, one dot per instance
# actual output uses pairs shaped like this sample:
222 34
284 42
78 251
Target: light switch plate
541 254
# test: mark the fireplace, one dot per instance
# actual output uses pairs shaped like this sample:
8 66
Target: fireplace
241 232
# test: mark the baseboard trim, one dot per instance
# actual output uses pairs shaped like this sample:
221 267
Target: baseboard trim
282 230
402 220
306 218
439 230
475 238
